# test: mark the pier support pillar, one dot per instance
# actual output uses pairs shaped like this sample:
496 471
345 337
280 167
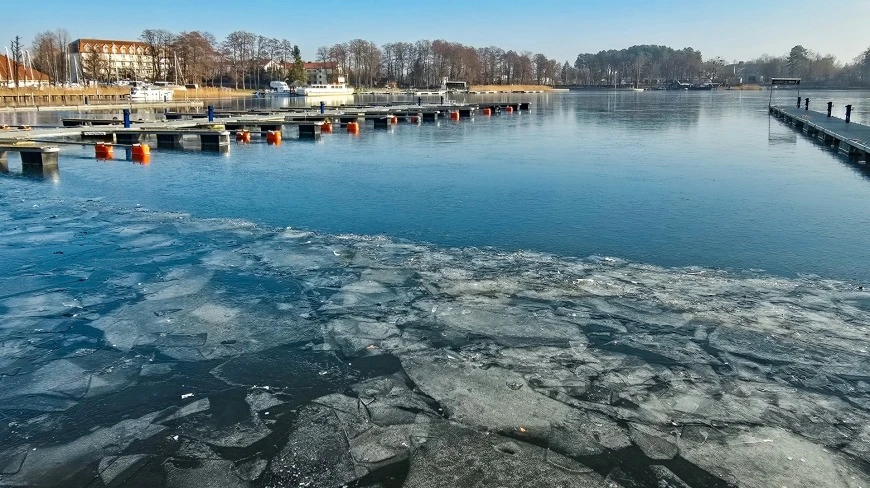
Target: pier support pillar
218 141
128 138
830 108
4 162
848 113
310 131
169 141
39 159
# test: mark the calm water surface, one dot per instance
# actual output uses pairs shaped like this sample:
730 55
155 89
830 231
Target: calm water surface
666 178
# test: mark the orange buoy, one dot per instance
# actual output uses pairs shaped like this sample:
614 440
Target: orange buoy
326 127
487 111
353 127
394 120
141 153
414 119
454 115
243 136
104 151
273 137
509 109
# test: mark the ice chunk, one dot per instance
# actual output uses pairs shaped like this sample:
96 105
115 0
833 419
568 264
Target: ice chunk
316 454
443 461
483 398
189 409
208 473
52 465
116 469
765 456
158 369
653 442
587 433
356 336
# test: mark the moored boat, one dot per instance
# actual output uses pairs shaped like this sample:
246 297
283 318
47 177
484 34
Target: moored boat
149 94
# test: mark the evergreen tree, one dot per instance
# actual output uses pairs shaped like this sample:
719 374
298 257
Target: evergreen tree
297 72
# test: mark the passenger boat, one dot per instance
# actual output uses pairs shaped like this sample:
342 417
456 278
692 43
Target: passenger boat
339 88
149 94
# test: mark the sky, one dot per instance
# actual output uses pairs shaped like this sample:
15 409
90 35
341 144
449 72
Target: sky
733 30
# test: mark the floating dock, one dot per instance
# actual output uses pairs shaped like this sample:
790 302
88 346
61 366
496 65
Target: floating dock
848 137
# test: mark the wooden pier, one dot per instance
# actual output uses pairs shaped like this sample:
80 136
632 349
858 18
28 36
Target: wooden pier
849 137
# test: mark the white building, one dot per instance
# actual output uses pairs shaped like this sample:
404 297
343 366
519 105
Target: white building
114 59
316 73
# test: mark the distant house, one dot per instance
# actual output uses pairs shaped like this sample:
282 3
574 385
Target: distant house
27 75
743 72
316 73
322 73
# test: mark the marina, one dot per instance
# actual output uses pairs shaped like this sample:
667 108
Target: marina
482 297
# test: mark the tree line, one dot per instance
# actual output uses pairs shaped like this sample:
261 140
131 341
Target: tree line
247 60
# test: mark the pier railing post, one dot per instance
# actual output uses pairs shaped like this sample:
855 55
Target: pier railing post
126 118
830 107
807 104
848 113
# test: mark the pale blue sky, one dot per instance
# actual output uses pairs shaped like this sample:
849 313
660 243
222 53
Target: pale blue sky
735 29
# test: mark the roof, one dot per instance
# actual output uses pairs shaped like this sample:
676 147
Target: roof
327 65
23 73
75 45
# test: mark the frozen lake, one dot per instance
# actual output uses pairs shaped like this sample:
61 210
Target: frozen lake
614 289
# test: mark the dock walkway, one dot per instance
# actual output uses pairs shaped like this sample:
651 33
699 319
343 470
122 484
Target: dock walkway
848 137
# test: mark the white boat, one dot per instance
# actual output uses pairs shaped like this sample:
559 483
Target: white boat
278 89
149 94
327 89
637 89
339 88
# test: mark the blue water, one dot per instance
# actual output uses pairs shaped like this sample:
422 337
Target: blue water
665 178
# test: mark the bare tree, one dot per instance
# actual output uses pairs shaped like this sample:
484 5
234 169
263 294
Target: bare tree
159 49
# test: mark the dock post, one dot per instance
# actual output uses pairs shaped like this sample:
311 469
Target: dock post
322 108
830 107
848 113
126 118
807 104
169 141
211 113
